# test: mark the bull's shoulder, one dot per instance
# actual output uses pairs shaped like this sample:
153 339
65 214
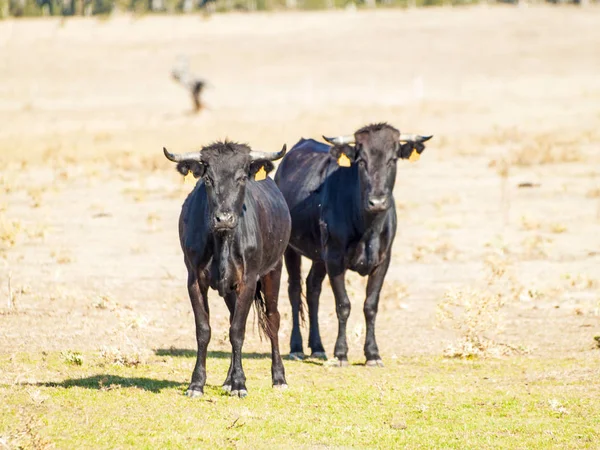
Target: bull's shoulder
267 192
196 196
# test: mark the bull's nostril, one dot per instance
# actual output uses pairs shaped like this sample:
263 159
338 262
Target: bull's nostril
225 220
377 202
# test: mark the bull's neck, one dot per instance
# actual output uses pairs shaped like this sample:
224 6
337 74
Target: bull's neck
226 261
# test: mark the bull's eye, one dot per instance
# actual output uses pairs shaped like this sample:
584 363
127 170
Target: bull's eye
241 179
208 181
362 163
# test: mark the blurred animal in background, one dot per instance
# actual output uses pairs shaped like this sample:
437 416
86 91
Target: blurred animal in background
195 85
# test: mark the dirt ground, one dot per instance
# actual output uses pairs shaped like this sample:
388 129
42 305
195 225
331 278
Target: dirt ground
89 206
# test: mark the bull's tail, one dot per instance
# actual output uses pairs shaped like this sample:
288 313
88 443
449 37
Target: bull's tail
302 306
264 327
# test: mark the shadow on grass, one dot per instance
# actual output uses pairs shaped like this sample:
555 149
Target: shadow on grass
110 382
187 353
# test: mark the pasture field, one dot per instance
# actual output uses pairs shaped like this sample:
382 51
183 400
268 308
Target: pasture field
491 307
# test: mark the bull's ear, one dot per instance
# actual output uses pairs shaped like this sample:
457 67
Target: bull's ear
344 154
259 169
411 150
188 165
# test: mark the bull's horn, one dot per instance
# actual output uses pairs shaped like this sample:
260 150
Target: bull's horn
177 157
254 155
413 138
340 140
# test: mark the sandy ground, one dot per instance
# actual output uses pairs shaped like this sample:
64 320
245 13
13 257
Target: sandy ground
89 206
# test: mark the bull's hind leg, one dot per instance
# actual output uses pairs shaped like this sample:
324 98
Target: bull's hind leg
197 292
314 282
337 278
292 264
374 286
270 287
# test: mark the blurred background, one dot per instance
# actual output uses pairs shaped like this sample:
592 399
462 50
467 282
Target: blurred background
509 187
32 8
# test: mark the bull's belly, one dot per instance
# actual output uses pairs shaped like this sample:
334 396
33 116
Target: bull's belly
361 258
306 248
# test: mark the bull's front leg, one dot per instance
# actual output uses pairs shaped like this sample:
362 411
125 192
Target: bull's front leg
230 299
237 331
337 278
374 285
197 290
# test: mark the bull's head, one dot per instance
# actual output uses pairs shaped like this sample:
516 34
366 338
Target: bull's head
375 149
225 168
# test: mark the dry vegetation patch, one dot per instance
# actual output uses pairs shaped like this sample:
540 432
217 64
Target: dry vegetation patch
474 312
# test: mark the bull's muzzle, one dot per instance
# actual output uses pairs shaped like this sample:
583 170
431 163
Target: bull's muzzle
223 221
378 203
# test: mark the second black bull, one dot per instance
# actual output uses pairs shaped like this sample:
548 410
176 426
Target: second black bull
343 217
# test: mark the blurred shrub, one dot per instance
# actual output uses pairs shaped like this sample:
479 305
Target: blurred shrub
24 8
103 6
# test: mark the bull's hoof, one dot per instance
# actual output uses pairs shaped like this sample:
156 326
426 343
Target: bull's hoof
241 393
226 387
297 356
319 355
194 393
280 387
337 362
374 363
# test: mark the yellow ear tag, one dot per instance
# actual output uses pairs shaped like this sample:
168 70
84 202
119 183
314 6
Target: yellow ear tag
414 156
344 161
261 174
189 178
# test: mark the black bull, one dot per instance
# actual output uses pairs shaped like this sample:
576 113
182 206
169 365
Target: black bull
342 218
233 232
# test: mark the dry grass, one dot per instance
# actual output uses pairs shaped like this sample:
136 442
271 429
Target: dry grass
474 313
545 149
580 281
9 232
528 149
438 247
62 256
558 228
394 294
115 356
137 194
29 435
531 224
35 194
535 247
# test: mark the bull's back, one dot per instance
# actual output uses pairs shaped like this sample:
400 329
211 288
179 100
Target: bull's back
301 176
302 170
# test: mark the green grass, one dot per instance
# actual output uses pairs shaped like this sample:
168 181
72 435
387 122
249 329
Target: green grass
420 402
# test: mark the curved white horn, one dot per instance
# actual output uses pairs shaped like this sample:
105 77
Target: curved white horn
340 140
413 137
177 157
270 156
